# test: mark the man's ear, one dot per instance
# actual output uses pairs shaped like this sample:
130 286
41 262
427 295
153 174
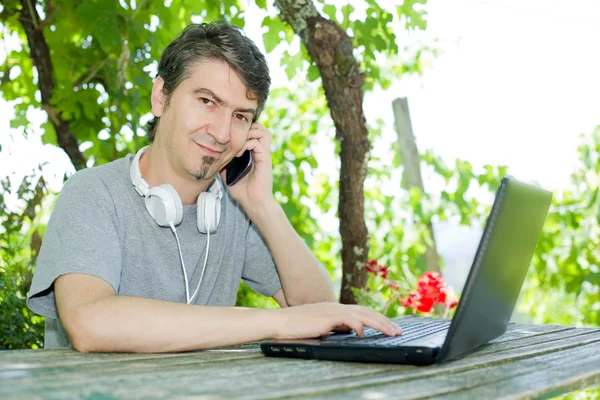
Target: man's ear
158 98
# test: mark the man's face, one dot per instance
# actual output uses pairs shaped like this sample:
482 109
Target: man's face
207 121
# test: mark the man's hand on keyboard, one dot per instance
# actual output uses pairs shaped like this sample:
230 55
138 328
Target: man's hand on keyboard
320 319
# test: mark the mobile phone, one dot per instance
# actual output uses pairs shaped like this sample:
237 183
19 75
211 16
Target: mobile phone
238 168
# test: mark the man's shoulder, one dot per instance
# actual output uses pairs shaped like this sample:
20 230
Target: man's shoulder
109 175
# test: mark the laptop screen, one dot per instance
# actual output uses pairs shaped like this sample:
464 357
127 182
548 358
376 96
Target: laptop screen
499 267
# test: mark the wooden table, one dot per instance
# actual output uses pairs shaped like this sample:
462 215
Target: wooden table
528 361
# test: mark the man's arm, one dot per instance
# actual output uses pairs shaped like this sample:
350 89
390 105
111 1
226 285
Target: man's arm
303 279
97 320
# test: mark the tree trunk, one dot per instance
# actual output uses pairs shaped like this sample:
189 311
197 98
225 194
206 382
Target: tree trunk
412 169
41 60
331 49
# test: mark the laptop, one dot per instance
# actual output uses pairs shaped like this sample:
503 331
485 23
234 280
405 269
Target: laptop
485 307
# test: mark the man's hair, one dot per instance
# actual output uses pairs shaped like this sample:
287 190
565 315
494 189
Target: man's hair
217 40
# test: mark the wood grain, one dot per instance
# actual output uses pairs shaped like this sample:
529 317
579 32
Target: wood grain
528 361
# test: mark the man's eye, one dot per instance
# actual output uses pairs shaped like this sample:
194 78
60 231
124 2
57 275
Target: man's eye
241 117
206 101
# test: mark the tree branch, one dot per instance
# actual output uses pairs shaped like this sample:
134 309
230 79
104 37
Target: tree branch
40 54
32 12
4 15
331 49
92 75
49 16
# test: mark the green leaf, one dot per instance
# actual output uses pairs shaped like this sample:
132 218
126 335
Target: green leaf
593 278
415 196
313 73
347 10
271 37
414 19
293 64
262 4
102 18
20 120
330 11
239 21
49 135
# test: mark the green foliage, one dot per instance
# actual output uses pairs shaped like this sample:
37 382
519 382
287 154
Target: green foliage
296 117
19 243
246 297
585 394
276 31
564 285
413 17
373 34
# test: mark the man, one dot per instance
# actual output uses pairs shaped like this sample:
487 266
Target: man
112 274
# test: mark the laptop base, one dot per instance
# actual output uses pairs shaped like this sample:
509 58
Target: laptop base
355 353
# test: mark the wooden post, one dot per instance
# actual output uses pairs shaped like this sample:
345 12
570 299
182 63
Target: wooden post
412 168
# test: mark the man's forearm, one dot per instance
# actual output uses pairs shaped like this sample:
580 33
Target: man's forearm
134 324
303 278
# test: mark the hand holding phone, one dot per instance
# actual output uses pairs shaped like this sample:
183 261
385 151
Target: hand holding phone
238 168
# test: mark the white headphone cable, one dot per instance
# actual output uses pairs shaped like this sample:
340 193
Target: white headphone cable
204 267
187 290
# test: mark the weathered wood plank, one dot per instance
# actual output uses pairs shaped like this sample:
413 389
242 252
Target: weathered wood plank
66 373
520 331
40 359
530 377
472 362
543 383
254 378
138 380
525 341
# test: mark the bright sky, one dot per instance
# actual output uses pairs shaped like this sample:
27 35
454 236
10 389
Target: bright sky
516 84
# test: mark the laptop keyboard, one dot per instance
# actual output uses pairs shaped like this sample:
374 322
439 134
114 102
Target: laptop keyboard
373 337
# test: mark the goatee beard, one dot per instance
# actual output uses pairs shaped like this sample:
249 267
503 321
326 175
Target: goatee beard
207 162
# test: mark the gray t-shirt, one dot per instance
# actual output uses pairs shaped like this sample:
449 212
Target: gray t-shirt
100 226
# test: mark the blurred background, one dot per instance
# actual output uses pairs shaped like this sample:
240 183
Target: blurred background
493 88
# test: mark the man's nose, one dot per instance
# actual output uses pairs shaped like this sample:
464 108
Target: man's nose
220 127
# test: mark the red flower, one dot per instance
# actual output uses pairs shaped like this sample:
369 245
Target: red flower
411 301
417 302
384 270
426 304
431 289
376 269
372 266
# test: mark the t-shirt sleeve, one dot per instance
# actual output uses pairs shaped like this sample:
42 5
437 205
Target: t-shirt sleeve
82 236
259 271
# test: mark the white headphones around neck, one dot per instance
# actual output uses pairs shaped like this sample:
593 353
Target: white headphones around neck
165 206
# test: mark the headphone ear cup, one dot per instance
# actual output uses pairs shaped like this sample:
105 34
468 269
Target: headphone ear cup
209 212
164 205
